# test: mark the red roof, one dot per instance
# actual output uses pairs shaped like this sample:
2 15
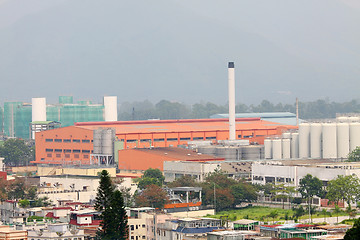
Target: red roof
51 215
93 223
63 208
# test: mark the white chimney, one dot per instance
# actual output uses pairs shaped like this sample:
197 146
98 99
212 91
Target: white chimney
110 105
232 126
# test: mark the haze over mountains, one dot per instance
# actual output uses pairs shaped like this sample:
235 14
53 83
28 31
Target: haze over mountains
178 50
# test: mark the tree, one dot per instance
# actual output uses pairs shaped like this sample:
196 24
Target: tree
16 152
273 214
151 177
345 188
354 156
184 181
119 222
153 196
354 232
110 204
243 192
309 187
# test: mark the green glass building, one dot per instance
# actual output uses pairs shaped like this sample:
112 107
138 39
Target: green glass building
18 115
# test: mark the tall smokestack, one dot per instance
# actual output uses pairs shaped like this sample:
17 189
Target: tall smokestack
231 76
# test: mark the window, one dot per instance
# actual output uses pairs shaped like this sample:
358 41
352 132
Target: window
85 151
85 141
159 139
145 140
184 139
131 140
171 139
67 155
67 150
49 155
86 156
58 140
198 138
58 155
49 150
67 140
76 140
76 150
76 155
49 140
143 225
210 138
58 150
132 227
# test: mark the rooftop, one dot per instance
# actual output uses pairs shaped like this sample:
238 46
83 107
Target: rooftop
180 154
185 125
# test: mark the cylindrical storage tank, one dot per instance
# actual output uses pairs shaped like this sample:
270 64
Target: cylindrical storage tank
229 153
97 141
207 150
329 140
315 140
276 149
285 148
343 140
107 141
268 148
252 152
110 108
354 135
354 119
342 119
294 145
38 108
304 140
286 135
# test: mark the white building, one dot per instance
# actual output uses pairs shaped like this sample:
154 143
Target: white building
292 171
58 231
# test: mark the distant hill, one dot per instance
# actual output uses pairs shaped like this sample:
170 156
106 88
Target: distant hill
179 49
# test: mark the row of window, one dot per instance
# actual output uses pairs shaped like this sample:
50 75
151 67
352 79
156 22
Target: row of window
68 140
68 150
58 155
168 139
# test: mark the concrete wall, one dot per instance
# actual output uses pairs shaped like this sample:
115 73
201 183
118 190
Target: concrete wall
197 169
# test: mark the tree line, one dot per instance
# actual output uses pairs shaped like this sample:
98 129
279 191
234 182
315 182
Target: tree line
165 109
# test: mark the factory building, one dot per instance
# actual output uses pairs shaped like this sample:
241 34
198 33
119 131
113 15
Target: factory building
18 116
54 146
165 133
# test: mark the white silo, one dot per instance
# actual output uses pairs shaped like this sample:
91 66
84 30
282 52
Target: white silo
110 108
315 140
354 119
354 135
343 140
304 140
286 135
38 108
285 148
276 149
342 119
294 145
268 148
329 140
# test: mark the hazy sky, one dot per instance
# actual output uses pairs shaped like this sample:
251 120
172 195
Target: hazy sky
178 49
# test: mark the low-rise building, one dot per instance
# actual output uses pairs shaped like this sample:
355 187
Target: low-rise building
12 213
58 231
8 233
